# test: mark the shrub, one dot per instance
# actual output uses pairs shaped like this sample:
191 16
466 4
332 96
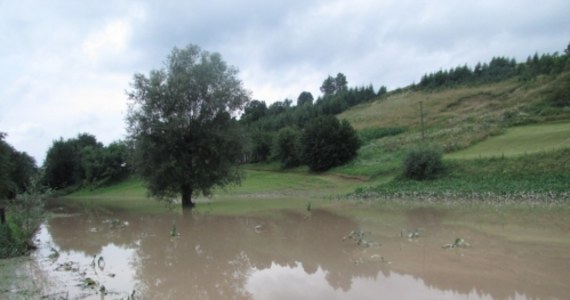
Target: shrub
423 163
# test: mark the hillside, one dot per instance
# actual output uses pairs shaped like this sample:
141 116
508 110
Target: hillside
461 118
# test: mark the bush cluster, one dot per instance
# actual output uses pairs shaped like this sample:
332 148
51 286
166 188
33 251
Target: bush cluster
328 142
423 164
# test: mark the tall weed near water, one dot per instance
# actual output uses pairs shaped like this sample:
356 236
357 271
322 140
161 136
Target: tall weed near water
24 215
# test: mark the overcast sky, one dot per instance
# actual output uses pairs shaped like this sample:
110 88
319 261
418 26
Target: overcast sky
65 65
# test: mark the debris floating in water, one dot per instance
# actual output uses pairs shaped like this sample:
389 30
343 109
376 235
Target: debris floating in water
358 236
173 231
458 243
54 255
411 234
114 224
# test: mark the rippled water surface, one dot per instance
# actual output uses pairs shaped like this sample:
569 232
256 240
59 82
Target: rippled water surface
294 255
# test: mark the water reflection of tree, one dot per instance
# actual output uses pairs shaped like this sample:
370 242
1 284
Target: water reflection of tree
214 256
88 233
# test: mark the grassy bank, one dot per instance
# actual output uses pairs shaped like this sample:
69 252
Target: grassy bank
534 178
23 216
539 177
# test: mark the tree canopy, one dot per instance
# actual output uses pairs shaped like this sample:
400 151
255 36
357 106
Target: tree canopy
334 85
328 142
83 161
305 98
180 121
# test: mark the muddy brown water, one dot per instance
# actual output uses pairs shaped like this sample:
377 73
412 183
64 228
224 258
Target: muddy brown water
293 255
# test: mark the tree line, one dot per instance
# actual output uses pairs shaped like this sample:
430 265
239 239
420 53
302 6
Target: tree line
499 68
257 114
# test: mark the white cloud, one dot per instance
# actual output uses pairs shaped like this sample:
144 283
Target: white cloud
110 41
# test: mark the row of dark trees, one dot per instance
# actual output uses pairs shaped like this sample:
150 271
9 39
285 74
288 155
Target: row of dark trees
499 68
290 134
76 162
283 113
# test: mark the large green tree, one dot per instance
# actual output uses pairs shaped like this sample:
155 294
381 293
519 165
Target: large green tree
328 142
180 121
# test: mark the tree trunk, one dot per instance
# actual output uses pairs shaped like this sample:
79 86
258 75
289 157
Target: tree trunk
187 199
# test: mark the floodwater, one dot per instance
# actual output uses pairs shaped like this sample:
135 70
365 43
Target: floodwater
294 255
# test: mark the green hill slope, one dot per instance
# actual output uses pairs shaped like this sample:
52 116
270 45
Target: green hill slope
505 138
481 116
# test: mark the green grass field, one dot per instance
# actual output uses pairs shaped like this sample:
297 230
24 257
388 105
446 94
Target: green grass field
519 141
264 188
128 195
